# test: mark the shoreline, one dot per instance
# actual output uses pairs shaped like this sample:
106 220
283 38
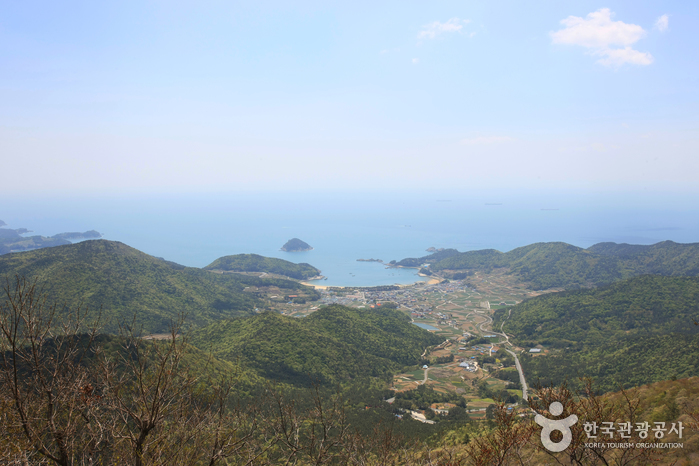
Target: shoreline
431 281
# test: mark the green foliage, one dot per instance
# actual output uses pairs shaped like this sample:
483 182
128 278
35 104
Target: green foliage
331 345
630 333
444 359
125 282
509 375
256 263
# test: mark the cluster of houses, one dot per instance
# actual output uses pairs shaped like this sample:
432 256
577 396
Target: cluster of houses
406 296
471 366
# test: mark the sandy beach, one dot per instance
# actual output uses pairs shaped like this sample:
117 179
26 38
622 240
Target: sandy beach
319 287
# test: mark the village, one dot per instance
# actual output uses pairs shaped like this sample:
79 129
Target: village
461 310
476 361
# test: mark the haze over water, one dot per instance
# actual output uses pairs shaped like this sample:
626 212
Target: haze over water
195 230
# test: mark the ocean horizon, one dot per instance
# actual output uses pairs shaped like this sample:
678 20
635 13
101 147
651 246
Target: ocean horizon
196 230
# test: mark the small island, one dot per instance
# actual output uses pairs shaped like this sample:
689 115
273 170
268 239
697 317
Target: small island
369 260
296 245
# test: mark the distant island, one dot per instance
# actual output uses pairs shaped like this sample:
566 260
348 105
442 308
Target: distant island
11 240
296 245
433 249
369 260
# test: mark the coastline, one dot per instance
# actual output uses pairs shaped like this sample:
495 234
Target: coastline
431 281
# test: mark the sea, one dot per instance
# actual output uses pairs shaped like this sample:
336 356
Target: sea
195 229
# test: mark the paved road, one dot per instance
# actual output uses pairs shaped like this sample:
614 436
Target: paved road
521 375
424 381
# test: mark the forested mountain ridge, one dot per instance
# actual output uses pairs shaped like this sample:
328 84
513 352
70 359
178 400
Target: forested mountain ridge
332 345
257 263
547 265
632 332
126 282
664 258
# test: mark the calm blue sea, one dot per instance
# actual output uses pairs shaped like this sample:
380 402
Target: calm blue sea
196 229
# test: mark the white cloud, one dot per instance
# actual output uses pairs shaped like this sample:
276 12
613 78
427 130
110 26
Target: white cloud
617 57
662 23
435 28
485 140
610 40
416 61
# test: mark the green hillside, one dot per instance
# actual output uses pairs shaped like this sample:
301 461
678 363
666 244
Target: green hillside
665 258
548 265
256 263
333 344
434 257
126 282
633 332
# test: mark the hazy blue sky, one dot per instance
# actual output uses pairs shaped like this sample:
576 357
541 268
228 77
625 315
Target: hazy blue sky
220 96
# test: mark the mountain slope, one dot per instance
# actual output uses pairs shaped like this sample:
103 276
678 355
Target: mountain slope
333 344
632 332
127 282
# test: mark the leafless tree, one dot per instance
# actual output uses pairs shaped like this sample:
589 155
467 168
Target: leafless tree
51 409
68 399
166 412
504 445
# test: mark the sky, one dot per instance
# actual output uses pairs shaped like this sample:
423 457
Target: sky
218 96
